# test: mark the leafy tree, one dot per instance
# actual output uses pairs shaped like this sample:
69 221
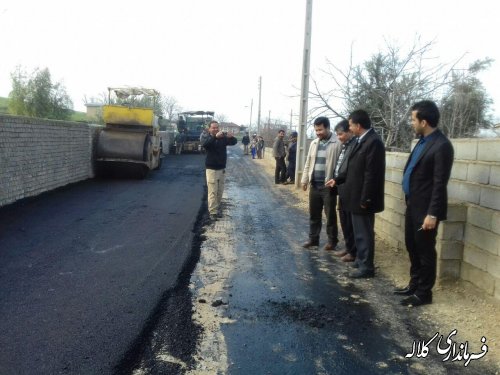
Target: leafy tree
465 105
35 95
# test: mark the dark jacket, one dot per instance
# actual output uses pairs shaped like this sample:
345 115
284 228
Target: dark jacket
216 150
365 179
245 140
429 178
292 153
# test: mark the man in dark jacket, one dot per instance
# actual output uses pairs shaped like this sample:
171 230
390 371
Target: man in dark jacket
364 183
425 179
348 140
246 141
215 142
279 154
292 156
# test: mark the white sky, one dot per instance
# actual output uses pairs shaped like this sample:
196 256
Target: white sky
209 54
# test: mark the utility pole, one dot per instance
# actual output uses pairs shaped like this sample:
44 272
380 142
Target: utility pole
304 94
260 96
291 119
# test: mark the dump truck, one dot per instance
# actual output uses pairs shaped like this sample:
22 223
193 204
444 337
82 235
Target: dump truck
131 138
190 125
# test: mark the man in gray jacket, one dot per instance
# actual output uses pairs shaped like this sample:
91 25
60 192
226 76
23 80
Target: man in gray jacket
318 169
279 154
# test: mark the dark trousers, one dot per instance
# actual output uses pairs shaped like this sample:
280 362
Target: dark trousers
280 171
291 171
421 246
347 230
323 198
364 237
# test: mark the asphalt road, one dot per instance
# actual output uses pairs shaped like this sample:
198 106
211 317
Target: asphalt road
83 269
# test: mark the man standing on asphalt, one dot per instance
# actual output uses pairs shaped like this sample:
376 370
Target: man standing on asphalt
279 154
215 143
425 179
320 162
246 141
346 137
364 185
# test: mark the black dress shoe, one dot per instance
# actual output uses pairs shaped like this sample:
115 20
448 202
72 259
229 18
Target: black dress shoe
310 244
361 274
406 291
415 300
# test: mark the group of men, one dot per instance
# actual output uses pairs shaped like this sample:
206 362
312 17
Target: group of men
282 173
349 167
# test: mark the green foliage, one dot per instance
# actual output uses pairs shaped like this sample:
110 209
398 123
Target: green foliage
4 105
465 106
35 95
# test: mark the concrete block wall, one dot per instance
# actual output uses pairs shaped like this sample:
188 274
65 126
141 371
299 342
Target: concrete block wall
37 155
468 243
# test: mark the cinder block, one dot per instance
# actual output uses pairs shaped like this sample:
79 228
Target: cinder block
495 222
480 217
465 149
495 175
478 173
494 265
448 269
476 257
490 197
449 230
449 249
488 150
482 239
457 211
464 191
483 280
459 170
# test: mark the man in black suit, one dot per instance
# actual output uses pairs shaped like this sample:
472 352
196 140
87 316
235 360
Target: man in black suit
425 178
364 185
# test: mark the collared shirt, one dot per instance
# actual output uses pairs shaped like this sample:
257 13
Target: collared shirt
342 155
417 151
363 135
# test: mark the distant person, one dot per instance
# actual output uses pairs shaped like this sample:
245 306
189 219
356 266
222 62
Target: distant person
260 147
215 142
179 141
425 180
364 185
279 154
348 141
253 146
318 169
292 157
246 141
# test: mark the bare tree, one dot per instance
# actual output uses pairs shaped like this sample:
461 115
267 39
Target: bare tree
386 85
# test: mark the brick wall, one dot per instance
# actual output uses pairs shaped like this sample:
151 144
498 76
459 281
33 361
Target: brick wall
38 155
469 241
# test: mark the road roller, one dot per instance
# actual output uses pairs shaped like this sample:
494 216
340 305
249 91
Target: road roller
131 140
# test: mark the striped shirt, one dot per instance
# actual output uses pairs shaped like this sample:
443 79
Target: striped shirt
319 173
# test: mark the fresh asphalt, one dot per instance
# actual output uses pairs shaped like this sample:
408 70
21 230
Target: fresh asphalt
84 268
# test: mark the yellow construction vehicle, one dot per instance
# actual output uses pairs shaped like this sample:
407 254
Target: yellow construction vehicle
131 137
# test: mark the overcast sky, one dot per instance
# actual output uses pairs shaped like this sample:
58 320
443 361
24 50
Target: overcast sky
209 54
